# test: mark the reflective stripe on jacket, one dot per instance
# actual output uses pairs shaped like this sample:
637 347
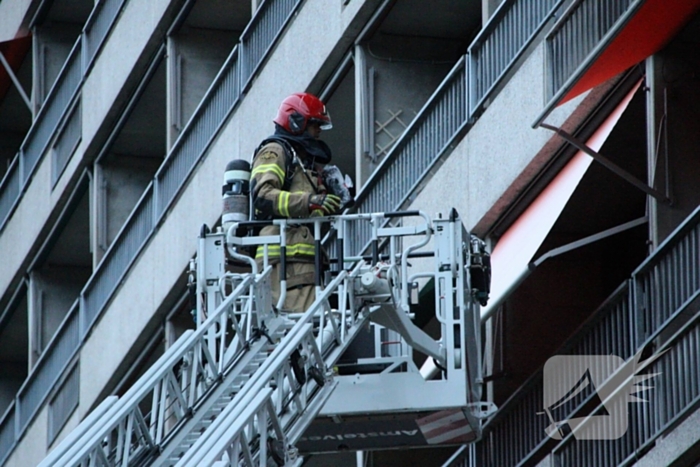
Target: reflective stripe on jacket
271 200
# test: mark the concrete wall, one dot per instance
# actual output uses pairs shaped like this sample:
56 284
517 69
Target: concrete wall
32 449
14 17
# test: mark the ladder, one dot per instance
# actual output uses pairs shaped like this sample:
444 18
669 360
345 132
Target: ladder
247 386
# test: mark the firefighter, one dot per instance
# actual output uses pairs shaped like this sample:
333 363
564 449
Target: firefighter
286 183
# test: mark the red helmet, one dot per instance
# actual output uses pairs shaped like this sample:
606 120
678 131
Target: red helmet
299 109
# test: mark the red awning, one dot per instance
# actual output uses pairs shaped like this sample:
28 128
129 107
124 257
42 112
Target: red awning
515 250
14 51
647 32
511 257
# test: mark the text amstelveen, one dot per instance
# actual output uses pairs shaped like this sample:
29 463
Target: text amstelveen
361 435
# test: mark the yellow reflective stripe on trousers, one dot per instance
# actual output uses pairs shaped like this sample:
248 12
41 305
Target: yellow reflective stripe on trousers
283 203
298 249
265 168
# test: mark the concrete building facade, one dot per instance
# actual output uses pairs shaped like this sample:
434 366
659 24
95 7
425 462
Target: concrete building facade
562 131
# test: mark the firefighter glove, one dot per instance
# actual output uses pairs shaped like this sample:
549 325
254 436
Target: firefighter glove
322 205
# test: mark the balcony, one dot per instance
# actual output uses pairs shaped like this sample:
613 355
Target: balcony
655 311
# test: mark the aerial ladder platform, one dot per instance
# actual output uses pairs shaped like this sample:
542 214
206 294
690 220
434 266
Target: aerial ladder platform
254 385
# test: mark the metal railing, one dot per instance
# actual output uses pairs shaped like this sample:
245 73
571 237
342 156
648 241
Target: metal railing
611 332
30 397
676 393
117 260
97 27
48 369
53 109
453 106
9 190
63 403
516 433
57 103
580 34
67 141
669 277
428 136
198 134
261 34
501 43
663 287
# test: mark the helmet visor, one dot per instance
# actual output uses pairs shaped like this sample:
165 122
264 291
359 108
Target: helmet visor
324 124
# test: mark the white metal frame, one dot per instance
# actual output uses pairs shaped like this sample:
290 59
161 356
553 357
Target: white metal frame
246 385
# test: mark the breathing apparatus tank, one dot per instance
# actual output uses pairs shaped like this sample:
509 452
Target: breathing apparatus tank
235 193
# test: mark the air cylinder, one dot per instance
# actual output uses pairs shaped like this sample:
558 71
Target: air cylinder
235 193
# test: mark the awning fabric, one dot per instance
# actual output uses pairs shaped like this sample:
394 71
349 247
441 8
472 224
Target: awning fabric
647 32
14 51
515 250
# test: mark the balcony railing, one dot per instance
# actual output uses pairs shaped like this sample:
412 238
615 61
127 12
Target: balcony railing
453 107
199 133
668 279
430 133
500 43
123 251
31 396
577 40
623 325
675 394
261 34
517 433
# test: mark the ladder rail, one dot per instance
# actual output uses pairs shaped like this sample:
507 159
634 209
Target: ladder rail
303 401
233 392
186 352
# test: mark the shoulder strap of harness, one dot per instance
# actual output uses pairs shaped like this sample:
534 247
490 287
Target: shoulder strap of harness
291 158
